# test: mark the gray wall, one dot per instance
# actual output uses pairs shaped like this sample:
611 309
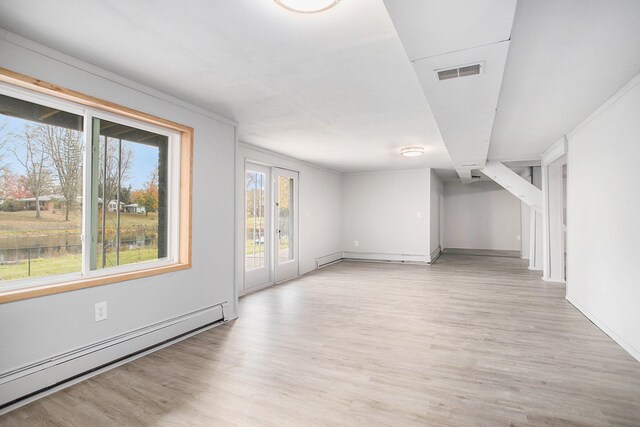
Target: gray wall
480 215
35 329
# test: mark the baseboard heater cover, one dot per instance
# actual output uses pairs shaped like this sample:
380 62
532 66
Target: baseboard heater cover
24 383
327 260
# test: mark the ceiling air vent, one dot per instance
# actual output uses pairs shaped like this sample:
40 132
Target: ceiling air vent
454 73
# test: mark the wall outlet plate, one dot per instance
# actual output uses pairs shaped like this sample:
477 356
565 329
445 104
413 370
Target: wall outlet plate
355 243
101 311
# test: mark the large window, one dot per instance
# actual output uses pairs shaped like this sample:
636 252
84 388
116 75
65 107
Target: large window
88 196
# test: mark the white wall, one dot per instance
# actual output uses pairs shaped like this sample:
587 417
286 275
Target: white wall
320 204
437 193
603 219
36 329
388 213
480 215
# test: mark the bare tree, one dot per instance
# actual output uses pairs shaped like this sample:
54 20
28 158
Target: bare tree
64 149
108 187
33 158
3 167
4 140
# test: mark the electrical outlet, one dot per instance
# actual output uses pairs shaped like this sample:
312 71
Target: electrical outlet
419 215
355 243
517 237
101 311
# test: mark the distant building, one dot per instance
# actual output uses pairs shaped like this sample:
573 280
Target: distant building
135 208
112 206
46 202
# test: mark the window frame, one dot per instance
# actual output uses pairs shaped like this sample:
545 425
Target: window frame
180 179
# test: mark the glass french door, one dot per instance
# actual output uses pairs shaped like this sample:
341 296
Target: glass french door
271 225
285 190
257 226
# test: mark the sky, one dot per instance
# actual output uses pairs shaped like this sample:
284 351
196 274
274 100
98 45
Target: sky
145 157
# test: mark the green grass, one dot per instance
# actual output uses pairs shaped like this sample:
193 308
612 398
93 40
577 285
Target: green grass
252 247
70 264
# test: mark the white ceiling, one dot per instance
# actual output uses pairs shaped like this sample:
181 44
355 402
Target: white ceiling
435 27
335 88
566 58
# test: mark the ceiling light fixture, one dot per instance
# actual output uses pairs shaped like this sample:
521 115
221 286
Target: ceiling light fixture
412 151
307 6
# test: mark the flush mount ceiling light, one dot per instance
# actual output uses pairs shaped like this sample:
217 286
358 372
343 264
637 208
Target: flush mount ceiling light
412 151
307 6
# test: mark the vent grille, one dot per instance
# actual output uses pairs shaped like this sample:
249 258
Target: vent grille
448 74
454 73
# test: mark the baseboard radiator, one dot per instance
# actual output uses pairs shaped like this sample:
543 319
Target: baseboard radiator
36 378
329 259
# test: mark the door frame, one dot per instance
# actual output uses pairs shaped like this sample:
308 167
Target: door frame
554 269
289 269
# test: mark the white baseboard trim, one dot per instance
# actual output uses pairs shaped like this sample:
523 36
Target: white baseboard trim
621 342
373 256
25 384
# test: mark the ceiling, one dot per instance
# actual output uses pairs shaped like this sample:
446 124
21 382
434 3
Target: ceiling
566 58
334 89
338 88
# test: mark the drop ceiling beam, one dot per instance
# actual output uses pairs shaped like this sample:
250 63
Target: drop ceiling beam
441 35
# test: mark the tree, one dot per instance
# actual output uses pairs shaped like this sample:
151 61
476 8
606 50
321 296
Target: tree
4 140
125 195
64 149
148 196
108 187
33 158
11 186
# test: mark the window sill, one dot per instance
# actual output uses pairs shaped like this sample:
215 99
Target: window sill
57 288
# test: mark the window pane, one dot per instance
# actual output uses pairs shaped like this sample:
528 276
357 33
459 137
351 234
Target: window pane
255 203
285 219
129 195
40 190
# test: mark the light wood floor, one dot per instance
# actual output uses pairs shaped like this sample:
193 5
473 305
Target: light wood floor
470 340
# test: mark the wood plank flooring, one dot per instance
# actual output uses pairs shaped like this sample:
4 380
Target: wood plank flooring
470 340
